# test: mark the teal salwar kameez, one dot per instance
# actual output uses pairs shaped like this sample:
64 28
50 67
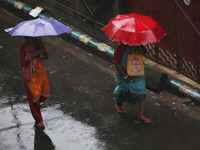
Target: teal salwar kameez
133 91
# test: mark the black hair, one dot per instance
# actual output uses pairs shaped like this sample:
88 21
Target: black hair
140 47
38 46
27 37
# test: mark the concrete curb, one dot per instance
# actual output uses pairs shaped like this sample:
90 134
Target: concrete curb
99 46
184 89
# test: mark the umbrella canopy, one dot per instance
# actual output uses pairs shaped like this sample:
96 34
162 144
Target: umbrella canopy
39 27
133 29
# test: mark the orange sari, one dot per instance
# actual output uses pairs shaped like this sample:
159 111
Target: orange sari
37 85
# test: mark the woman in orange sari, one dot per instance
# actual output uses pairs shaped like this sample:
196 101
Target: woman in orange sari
32 52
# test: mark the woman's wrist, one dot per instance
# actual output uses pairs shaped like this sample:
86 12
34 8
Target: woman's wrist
125 77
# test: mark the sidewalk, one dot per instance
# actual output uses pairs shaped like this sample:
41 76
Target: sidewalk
175 80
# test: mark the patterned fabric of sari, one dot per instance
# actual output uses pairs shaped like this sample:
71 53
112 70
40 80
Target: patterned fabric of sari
133 91
37 85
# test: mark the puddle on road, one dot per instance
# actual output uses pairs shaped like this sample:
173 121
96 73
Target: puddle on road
62 132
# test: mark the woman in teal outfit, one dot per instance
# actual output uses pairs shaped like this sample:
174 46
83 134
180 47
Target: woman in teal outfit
129 89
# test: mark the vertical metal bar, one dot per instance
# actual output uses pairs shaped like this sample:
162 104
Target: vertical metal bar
198 74
157 53
178 66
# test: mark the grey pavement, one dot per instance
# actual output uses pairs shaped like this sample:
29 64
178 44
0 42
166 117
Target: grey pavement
80 114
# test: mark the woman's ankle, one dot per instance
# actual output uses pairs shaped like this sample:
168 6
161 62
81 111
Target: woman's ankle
40 124
119 104
141 116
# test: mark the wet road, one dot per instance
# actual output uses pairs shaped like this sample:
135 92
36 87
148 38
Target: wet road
80 114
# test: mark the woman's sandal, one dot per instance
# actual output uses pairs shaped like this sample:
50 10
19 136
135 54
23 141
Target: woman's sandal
120 110
145 120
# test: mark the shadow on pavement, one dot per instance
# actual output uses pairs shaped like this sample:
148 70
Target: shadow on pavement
42 141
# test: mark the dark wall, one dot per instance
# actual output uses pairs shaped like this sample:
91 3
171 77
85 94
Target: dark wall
181 22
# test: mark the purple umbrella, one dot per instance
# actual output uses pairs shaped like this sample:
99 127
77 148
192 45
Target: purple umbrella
39 27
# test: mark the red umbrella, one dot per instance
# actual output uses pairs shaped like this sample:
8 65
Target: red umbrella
133 29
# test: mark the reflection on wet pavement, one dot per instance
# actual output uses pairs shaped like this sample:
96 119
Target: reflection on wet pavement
42 141
62 131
